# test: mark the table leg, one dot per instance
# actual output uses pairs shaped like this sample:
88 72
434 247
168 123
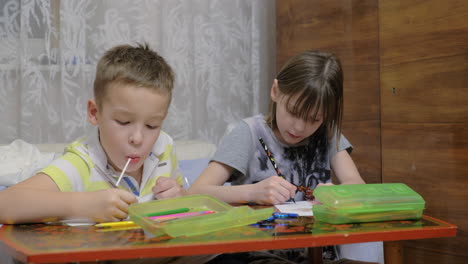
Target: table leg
393 252
315 255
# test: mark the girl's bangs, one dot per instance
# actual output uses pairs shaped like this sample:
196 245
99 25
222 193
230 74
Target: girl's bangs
307 104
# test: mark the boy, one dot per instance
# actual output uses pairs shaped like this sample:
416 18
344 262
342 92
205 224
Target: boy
133 90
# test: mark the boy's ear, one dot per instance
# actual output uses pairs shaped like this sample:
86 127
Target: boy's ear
92 112
274 93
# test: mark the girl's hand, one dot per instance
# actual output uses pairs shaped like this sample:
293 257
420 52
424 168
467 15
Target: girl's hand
274 190
105 205
167 188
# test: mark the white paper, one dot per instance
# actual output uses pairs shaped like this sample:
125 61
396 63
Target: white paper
302 208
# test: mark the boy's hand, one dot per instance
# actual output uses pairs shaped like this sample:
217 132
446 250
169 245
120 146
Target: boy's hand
274 190
105 205
167 188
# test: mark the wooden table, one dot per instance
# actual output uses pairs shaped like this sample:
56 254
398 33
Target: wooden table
41 243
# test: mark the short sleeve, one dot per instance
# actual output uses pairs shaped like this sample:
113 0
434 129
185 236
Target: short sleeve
68 172
344 145
235 148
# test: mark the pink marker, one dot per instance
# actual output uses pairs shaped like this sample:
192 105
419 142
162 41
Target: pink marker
162 218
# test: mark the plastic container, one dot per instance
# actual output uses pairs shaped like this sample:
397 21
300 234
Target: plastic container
226 216
353 203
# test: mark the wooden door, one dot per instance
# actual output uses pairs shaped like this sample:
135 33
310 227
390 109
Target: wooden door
424 91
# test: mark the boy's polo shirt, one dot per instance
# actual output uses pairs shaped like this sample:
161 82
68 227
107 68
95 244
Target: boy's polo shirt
84 167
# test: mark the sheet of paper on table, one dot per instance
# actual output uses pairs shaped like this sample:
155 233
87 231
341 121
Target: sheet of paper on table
302 208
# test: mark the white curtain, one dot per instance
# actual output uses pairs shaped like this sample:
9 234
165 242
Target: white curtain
223 54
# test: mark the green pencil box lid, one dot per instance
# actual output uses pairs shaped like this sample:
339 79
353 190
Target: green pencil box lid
353 203
225 216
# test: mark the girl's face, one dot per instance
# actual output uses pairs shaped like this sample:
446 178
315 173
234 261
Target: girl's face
129 123
292 129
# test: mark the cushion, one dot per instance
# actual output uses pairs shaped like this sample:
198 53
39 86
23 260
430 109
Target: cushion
191 169
194 149
20 160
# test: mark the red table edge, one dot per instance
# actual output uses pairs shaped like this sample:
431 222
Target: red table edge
294 241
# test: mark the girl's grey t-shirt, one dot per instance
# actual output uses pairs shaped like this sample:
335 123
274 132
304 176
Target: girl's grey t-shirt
304 164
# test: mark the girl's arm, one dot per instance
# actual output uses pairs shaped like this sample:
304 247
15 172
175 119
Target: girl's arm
344 168
211 182
38 199
273 190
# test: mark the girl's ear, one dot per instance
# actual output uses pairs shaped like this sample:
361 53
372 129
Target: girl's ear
275 91
92 112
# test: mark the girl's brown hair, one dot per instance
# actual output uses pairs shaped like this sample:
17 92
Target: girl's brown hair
315 79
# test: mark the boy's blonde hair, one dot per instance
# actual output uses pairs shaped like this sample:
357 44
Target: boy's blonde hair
139 66
316 79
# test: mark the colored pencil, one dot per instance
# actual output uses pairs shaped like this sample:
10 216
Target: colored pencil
116 224
111 229
272 160
169 212
163 218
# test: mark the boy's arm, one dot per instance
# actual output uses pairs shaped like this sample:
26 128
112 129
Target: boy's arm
273 190
169 187
38 199
344 168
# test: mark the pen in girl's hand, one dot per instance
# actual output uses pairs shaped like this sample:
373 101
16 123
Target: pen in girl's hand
272 160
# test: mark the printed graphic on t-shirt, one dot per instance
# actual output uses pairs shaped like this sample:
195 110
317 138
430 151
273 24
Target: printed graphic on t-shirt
307 165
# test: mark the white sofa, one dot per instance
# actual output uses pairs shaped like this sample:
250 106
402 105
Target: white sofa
20 160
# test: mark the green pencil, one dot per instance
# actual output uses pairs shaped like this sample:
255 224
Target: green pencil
168 212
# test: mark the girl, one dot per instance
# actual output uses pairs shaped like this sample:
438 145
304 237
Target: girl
302 132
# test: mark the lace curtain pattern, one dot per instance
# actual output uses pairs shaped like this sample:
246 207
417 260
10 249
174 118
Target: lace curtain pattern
222 53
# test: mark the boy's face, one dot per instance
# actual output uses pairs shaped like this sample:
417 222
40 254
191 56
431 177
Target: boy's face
129 123
291 129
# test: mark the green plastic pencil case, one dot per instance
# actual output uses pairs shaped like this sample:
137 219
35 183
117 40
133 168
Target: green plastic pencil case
225 216
354 203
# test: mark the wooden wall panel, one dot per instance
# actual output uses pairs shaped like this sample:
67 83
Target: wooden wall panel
424 89
420 30
432 159
424 60
429 90
418 256
365 137
348 28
